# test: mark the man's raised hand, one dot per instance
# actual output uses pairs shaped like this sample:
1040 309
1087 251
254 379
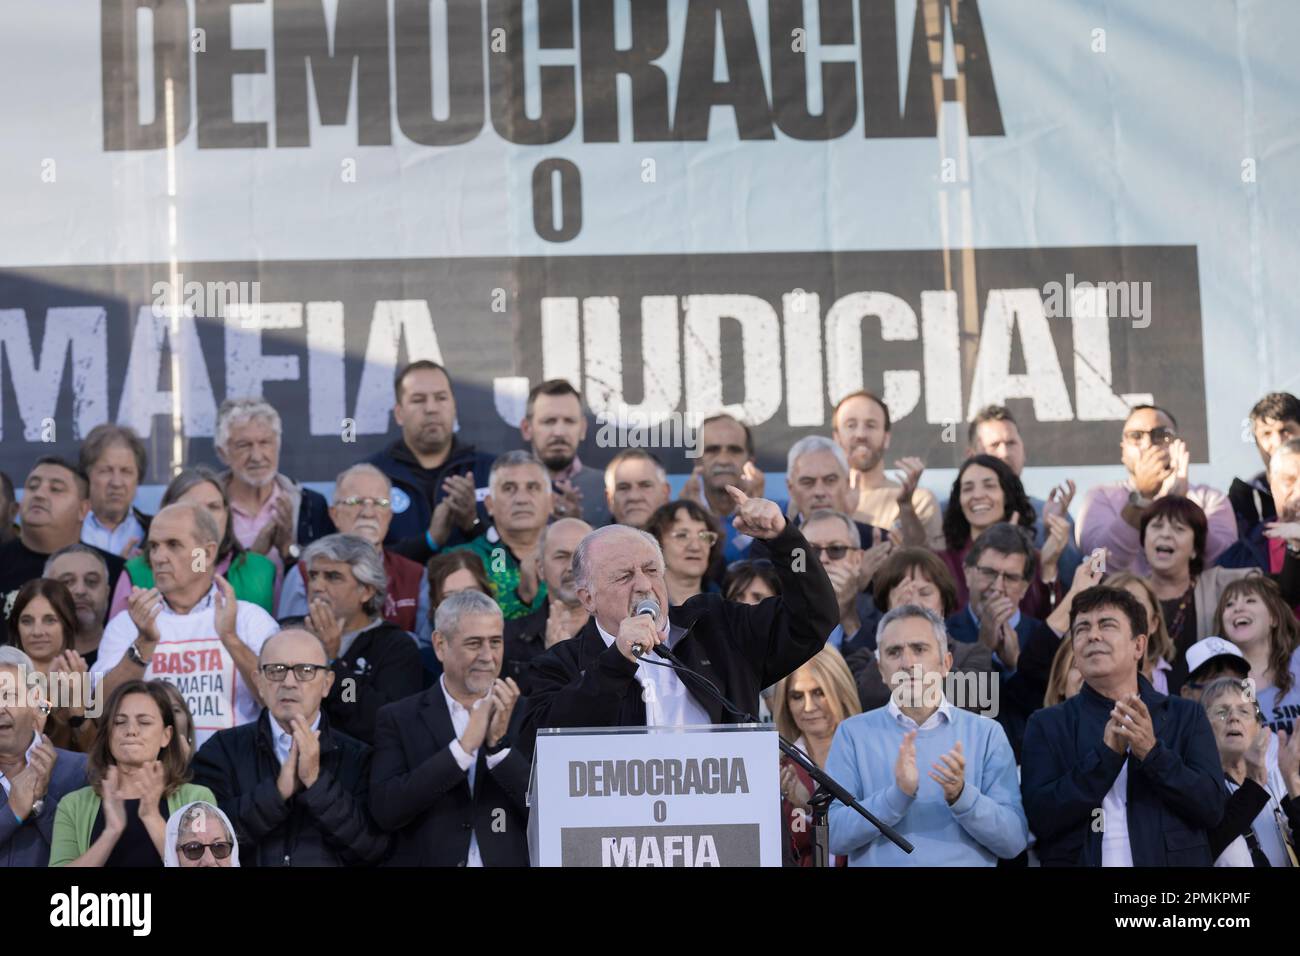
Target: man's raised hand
756 517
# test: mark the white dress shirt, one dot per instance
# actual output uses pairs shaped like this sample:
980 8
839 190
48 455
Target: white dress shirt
468 761
112 540
283 739
667 701
1115 848
27 759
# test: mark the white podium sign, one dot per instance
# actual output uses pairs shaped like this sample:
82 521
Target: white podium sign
656 796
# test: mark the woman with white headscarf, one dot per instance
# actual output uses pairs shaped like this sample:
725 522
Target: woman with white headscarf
199 834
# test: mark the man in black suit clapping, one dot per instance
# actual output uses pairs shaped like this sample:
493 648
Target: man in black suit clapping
445 776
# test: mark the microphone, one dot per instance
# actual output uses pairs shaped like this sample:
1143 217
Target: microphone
649 607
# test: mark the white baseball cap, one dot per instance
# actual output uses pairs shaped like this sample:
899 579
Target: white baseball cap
1204 651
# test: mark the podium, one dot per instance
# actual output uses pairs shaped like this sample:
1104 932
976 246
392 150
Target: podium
656 796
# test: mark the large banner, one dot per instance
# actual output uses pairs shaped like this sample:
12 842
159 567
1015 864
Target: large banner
1065 206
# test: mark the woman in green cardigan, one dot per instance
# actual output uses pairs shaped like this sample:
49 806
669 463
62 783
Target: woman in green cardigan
137 773
252 575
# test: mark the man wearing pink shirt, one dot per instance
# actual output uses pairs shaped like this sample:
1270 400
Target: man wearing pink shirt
269 512
1157 461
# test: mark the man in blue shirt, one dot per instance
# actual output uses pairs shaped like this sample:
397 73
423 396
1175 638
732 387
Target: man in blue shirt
964 810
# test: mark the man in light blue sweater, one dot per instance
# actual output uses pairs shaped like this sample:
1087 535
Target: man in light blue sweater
966 810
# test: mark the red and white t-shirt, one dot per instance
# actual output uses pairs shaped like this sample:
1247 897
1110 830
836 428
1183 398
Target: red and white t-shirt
190 656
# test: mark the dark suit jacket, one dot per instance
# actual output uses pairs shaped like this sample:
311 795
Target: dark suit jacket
382 665
418 790
325 824
1020 691
741 649
1175 796
28 843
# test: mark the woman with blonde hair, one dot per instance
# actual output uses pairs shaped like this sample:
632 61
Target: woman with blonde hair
1064 679
1159 661
807 707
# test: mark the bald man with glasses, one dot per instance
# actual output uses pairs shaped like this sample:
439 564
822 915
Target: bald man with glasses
295 789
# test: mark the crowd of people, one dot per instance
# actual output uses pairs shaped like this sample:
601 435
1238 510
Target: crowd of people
255 675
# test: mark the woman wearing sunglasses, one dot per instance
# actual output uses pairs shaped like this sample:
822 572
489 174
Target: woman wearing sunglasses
199 834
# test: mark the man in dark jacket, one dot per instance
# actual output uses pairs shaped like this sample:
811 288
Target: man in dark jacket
438 482
447 776
294 788
374 663
1274 419
1119 774
596 680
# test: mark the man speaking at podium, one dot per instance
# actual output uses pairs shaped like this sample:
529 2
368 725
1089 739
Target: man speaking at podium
597 679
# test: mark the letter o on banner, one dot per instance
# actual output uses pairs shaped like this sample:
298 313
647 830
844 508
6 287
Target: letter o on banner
661 811
544 200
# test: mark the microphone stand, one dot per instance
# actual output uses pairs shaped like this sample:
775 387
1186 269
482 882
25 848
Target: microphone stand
828 789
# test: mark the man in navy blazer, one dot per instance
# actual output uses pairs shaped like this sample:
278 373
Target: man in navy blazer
34 774
1119 774
446 776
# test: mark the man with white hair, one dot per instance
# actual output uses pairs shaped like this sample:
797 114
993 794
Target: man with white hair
447 775
34 774
363 506
188 629
636 484
943 777
597 679
519 501
270 513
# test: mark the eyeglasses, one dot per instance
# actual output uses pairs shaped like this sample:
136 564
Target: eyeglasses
194 851
353 501
304 672
990 575
1158 436
1248 714
835 552
710 538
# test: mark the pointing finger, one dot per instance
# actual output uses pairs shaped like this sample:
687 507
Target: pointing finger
737 495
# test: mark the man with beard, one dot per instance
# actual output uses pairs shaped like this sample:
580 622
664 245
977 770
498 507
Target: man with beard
82 570
555 425
519 501
270 513
562 616
363 506
861 426
726 458
437 479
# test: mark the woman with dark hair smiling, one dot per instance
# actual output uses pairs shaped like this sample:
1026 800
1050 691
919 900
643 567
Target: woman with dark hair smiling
43 624
138 778
987 492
